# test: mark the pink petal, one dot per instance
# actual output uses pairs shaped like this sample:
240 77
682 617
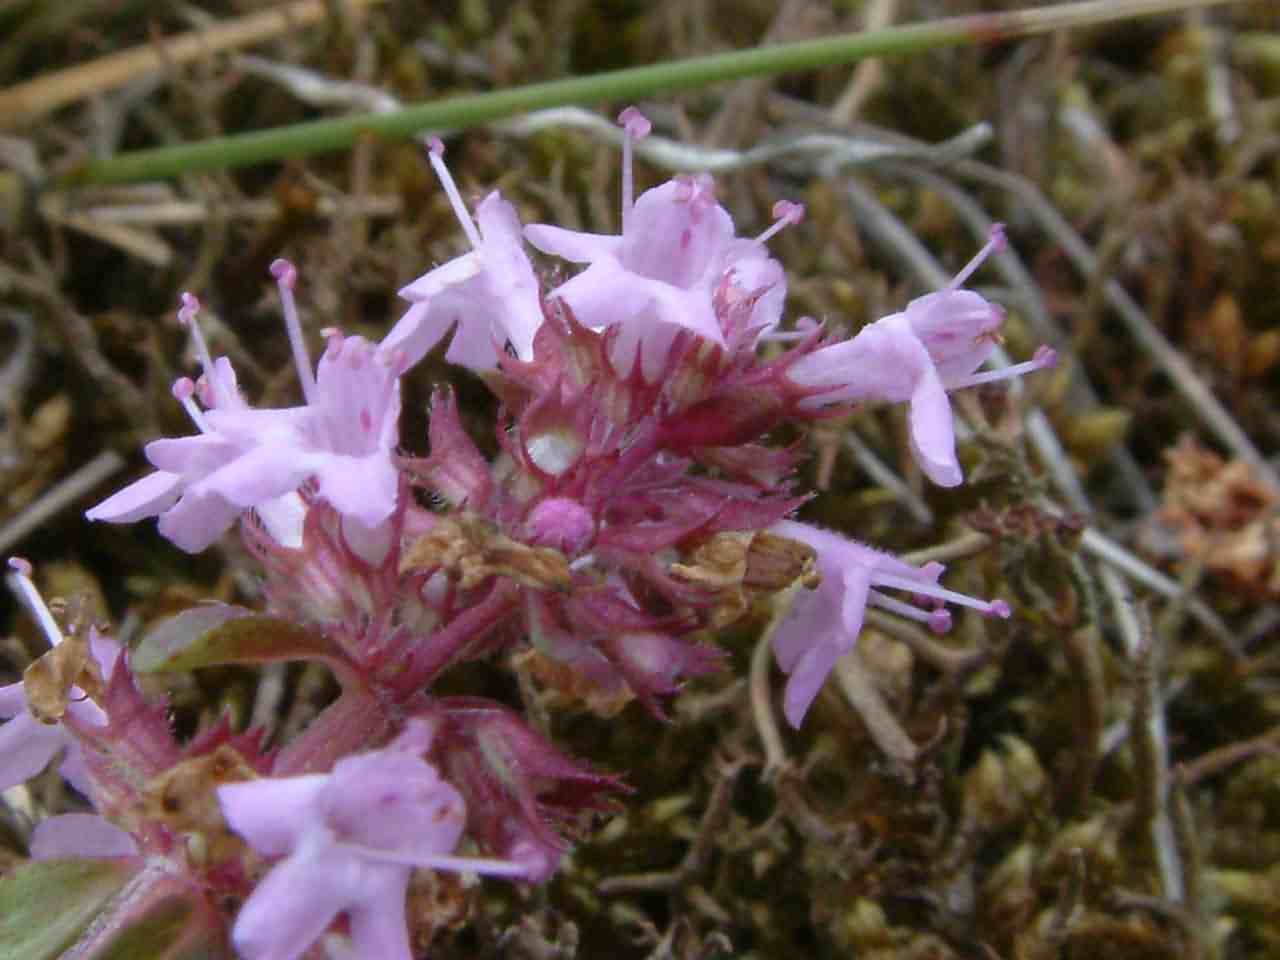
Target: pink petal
933 439
378 925
806 680
263 473
417 331
272 814
294 904
853 604
147 497
13 700
955 326
442 278
26 747
191 457
80 835
393 801
572 245
675 239
690 309
196 521
603 294
363 488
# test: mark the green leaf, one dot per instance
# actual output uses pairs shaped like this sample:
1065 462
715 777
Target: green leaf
221 633
45 905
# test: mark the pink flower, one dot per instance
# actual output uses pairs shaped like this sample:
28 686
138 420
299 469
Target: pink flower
27 745
676 250
489 295
933 346
343 438
348 842
823 625
244 458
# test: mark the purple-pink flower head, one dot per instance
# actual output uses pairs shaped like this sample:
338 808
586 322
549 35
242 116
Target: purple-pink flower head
27 745
823 625
243 458
661 275
349 841
488 297
935 345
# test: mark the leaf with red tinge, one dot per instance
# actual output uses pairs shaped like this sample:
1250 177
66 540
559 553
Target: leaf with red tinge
221 633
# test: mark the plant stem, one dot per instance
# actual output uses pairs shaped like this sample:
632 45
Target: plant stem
619 85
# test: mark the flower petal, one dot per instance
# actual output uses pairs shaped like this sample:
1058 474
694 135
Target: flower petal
933 439
80 835
153 494
572 245
806 680
378 925
363 488
272 814
197 520
13 700
293 905
420 329
26 747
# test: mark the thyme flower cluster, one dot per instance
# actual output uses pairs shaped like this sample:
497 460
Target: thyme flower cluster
634 509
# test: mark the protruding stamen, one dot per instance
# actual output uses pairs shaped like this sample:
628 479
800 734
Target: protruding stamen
435 151
187 317
635 126
1044 357
24 589
996 608
184 391
938 620
996 242
286 277
442 861
786 214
